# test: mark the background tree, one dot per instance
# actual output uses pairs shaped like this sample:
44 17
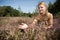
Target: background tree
54 8
8 11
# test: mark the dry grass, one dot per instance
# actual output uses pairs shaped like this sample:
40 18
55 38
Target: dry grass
9 30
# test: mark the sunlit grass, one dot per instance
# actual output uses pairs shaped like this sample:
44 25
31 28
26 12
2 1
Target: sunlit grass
9 30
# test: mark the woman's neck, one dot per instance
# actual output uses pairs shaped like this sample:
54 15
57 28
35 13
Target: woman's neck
42 17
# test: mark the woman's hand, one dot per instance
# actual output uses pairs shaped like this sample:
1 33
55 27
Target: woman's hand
23 26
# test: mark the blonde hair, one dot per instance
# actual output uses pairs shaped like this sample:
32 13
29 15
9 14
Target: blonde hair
42 3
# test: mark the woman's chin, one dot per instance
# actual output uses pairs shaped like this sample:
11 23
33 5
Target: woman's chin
41 14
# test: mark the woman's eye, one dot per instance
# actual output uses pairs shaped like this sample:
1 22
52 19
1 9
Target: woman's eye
41 7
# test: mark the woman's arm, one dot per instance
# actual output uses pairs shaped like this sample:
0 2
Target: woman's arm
50 21
33 23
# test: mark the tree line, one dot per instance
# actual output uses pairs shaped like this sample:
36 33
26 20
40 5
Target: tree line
8 11
54 8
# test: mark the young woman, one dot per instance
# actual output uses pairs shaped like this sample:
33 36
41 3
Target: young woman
44 15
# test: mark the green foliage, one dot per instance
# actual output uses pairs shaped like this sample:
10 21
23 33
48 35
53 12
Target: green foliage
54 8
8 11
57 15
57 6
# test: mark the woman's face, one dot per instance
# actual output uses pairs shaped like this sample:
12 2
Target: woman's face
42 9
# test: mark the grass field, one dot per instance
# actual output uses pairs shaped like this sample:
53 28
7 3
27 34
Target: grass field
9 30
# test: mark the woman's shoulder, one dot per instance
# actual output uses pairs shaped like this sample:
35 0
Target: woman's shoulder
49 14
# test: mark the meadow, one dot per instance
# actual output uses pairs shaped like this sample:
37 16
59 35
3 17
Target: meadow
9 30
